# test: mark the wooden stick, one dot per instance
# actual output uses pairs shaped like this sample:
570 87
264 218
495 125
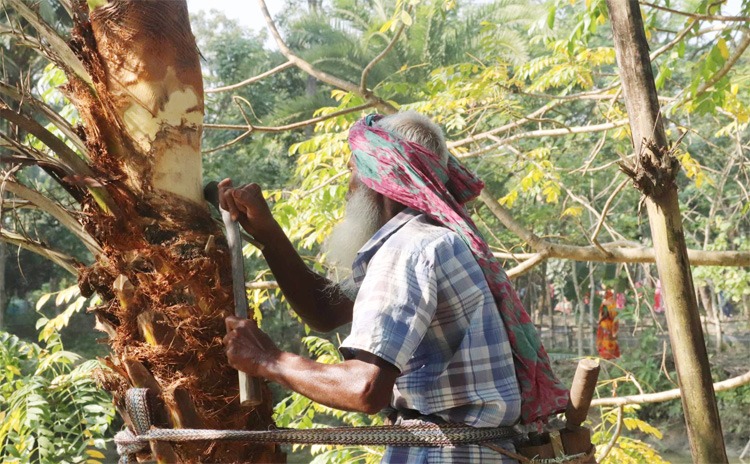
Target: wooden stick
581 392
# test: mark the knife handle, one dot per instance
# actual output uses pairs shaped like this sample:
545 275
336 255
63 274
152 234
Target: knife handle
250 388
250 392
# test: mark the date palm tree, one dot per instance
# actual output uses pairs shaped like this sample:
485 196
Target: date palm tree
133 168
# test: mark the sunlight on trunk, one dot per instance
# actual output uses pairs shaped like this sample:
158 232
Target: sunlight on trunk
154 79
164 276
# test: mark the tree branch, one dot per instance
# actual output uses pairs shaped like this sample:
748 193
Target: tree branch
668 395
381 104
262 285
363 80
698 16
73 163
296 125
55 210
251 80
671 43
29 101
62 55
741 47
613 252
228 144
526 266
605 209
64 261
546 133
506 128
514 226
615 436
71 160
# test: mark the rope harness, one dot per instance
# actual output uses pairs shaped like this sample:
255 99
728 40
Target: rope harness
409 433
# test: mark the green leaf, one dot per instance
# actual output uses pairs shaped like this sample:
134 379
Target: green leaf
42 300
722 46
551 13
95 454
386 25
406 18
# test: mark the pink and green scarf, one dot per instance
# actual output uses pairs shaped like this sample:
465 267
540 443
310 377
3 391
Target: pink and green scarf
410 174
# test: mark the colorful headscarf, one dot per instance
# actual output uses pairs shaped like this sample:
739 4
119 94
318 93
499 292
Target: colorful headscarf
410 174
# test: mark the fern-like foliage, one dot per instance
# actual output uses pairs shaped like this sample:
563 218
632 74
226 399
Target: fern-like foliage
626 450
299 412
51 410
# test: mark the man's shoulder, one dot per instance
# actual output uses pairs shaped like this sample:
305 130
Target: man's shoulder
422 234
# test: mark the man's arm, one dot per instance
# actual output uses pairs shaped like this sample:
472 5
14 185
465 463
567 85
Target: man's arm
313 298
363 384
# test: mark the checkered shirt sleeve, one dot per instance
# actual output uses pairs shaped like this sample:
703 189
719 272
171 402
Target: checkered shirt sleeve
394 313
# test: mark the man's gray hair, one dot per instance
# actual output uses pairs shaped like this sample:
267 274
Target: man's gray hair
417 128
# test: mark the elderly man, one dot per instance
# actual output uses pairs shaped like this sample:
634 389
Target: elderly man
437 334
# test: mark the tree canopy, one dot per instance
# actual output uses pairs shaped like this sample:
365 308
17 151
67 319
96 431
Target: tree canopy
527 92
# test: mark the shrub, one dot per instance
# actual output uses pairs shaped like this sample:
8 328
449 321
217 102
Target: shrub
51 410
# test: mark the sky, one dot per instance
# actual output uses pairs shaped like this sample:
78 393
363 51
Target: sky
246 11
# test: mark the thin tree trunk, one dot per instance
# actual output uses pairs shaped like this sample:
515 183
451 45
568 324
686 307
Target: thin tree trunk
579 309
654 175
540 302
311 88
708 307
592 308
718 334
3 291
548 303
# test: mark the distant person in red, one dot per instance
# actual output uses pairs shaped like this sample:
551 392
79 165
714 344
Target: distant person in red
658 303
606 334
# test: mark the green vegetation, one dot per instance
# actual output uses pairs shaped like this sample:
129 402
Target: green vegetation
529 97
53 411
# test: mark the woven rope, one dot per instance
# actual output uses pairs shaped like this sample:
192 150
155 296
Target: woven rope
409 433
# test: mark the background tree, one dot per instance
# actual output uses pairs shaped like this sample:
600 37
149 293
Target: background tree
539 115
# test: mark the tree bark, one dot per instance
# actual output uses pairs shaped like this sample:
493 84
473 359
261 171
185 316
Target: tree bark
718 335
579 310
3 291
592 308
653 175
164 275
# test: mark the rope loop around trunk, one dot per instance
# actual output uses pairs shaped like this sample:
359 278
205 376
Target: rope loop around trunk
408 433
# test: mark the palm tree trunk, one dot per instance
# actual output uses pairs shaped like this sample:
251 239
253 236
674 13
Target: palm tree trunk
164 276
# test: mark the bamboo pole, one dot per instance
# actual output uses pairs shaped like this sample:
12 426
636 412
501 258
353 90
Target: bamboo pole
653 173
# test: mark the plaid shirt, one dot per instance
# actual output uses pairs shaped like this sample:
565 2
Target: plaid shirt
425 307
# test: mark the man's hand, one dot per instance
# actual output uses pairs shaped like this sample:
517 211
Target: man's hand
363 384
248 348
247 205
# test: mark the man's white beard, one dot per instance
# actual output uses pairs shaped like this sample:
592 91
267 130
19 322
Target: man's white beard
361 221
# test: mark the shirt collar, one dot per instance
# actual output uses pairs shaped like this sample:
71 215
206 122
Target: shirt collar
384 233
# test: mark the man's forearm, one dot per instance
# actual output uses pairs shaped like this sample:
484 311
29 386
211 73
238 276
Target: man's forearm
351 386
308 293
